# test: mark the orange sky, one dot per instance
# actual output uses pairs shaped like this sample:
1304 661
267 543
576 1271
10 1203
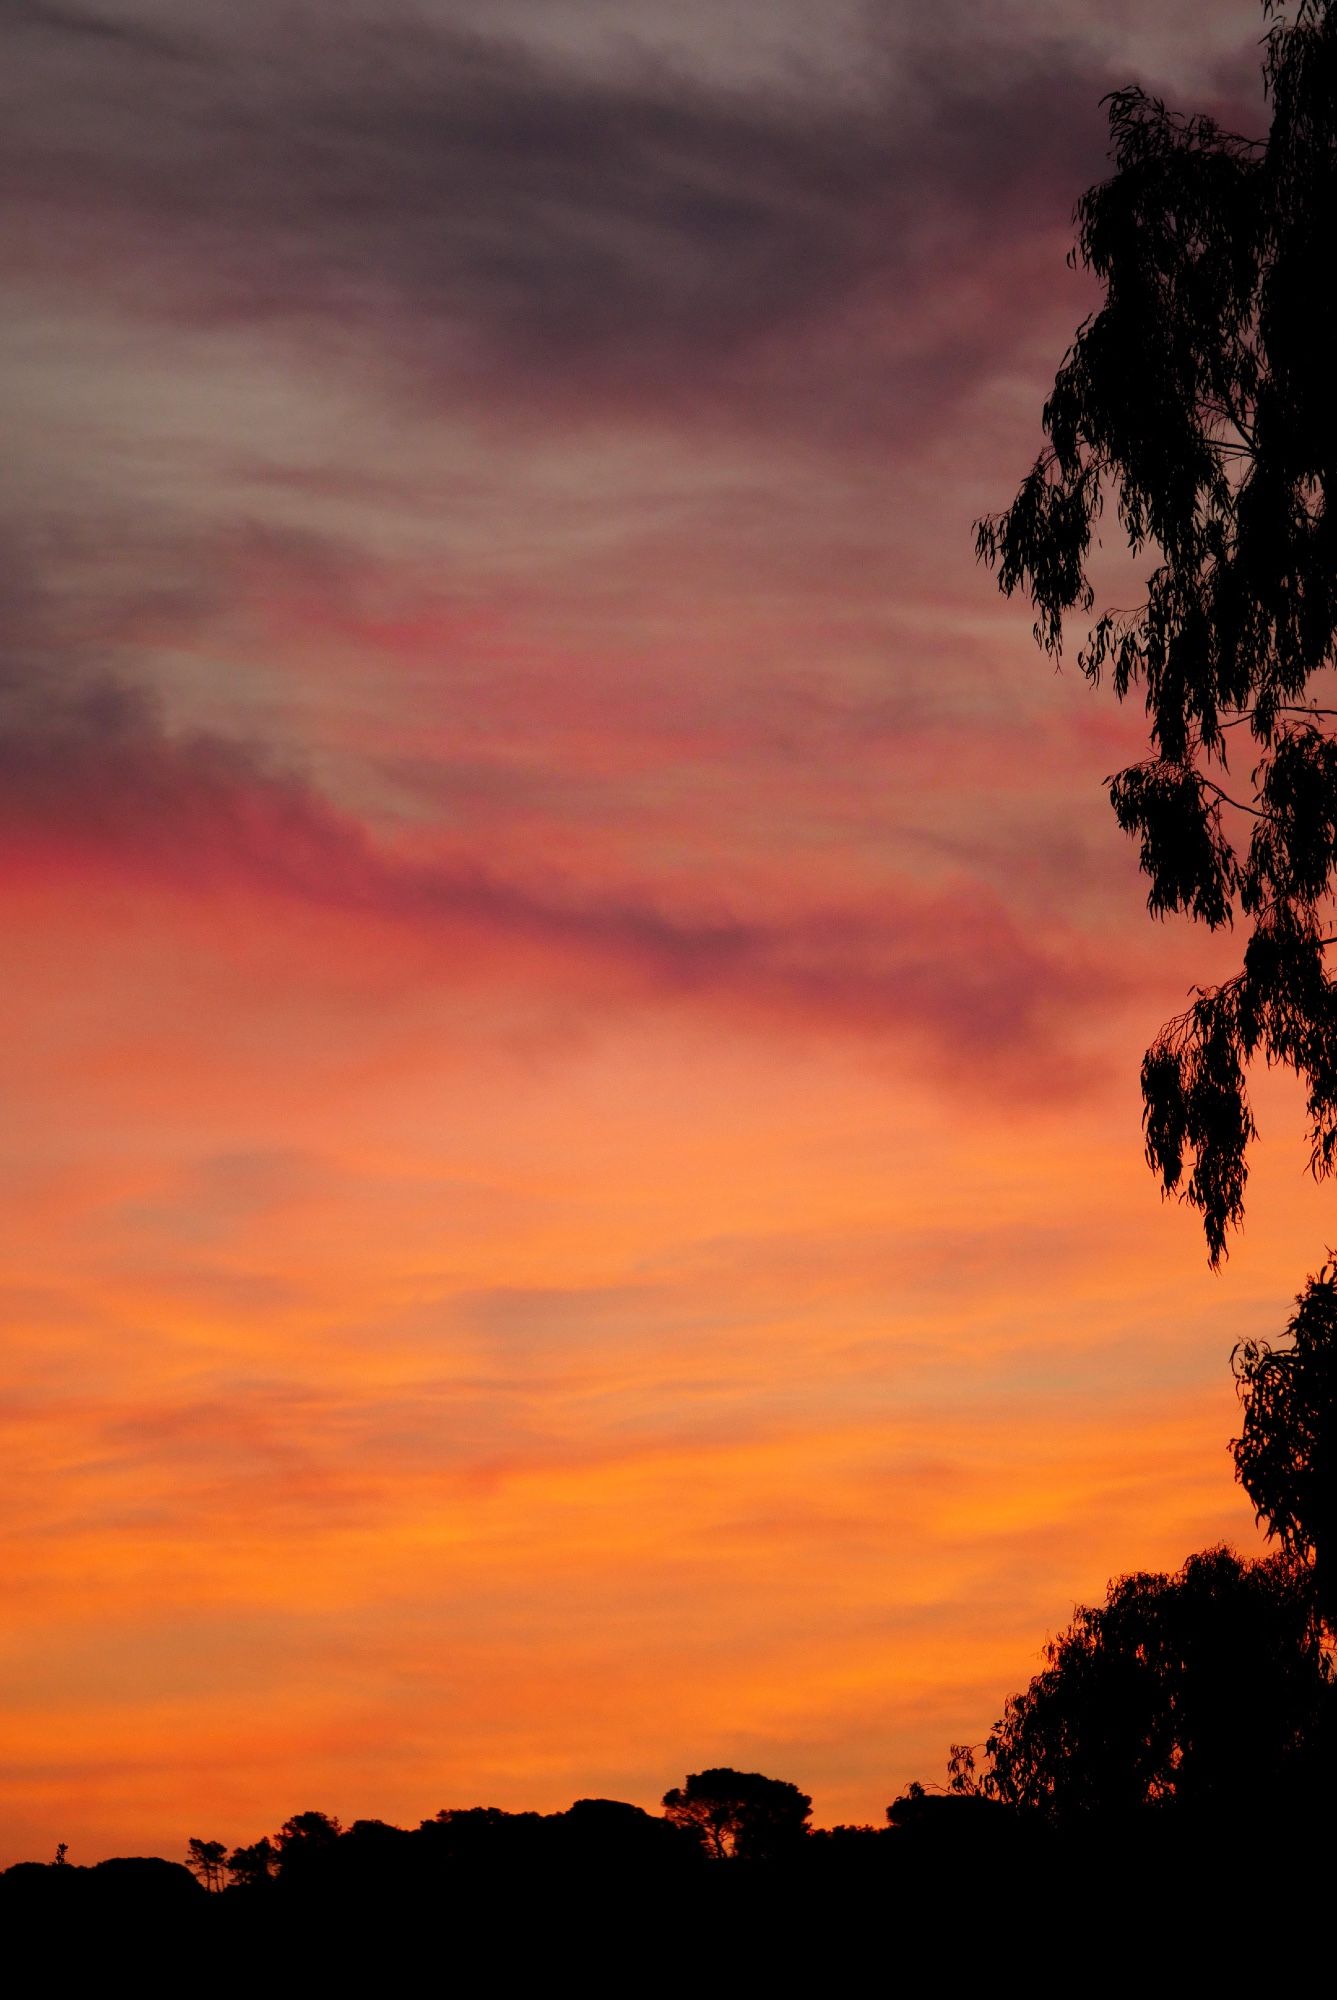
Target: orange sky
572 1204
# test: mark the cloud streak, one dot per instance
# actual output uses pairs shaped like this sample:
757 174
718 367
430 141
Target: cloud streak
97 785
90 781
529 230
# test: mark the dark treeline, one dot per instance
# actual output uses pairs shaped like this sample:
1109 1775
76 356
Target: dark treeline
1177 1749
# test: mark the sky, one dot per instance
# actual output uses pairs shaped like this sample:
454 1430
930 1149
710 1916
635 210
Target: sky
571 1199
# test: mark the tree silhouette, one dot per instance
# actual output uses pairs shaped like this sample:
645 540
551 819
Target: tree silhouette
1208 1689
740 1814
1202 398
207 1859
304 1842
1286 1453
609 1835
251 1867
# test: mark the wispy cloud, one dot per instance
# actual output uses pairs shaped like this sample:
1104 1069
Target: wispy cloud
504 223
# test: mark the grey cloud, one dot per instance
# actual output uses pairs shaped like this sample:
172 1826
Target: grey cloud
482 219
48 18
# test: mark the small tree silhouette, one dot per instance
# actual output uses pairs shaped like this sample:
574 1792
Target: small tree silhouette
251 1867
208 1860
740 1814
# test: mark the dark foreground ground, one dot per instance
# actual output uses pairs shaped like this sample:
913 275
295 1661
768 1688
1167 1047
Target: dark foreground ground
1152 1906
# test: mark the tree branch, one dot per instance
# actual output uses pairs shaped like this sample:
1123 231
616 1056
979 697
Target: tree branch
1238 804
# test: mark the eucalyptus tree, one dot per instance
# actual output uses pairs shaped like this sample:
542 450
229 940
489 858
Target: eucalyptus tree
1198 404
1209 1689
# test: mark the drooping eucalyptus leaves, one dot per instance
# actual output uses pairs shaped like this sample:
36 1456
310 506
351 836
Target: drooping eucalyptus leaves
1201 400
1286 1453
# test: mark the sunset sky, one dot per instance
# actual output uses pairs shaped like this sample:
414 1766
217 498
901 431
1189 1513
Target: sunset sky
573 1205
